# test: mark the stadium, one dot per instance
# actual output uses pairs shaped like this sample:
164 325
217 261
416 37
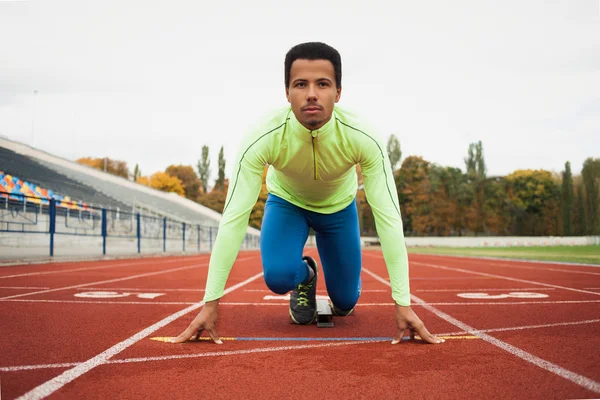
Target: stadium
388 257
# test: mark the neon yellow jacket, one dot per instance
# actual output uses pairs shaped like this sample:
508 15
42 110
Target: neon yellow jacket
315 170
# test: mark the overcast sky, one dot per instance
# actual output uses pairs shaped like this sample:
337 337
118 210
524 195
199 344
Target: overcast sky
151 82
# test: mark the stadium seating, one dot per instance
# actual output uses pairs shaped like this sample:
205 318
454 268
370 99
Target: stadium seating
26 176
15 188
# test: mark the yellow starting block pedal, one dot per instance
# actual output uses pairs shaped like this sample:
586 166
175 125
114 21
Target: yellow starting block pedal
324 314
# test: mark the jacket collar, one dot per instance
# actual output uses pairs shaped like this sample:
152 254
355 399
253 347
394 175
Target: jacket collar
307 134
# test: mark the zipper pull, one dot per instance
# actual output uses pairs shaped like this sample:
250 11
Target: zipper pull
313 134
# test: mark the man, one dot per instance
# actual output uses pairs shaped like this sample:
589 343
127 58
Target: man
312 149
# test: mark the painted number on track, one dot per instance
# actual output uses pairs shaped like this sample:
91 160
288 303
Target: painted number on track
518 295
112 295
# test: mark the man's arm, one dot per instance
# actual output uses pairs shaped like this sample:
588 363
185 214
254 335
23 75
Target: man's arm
381 193
244 188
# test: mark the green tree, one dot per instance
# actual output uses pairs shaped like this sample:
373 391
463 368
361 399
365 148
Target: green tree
475 195
581 219
567 198
136 173
475 162
393 150
220 182
591 182
204 168
535 196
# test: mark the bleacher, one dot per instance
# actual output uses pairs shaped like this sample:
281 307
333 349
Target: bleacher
97 188
23 175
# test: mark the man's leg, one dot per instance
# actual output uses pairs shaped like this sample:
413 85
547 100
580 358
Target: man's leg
282 238
338 241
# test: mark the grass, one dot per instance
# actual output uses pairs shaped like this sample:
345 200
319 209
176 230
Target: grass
578 254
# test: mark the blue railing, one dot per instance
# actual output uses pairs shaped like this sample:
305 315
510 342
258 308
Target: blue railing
24 214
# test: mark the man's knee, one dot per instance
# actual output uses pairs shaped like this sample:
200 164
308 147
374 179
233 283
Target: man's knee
279 279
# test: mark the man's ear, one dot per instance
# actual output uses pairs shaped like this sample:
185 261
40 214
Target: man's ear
287 94
339 94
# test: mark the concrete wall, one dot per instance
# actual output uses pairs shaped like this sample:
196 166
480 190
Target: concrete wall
492 241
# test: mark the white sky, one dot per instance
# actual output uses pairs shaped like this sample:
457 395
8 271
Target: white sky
150 82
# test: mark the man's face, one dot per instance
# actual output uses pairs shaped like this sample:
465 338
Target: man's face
312 92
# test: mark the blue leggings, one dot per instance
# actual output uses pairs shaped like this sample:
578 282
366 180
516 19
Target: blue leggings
284 231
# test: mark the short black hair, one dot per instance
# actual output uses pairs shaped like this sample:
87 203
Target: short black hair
314 51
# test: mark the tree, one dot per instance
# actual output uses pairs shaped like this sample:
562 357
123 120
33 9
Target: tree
414 183
535 196
393 150
591 182
204 168
567 198
219 183
114 167
189 180
580 218
136 173
476 175
164 182
475 162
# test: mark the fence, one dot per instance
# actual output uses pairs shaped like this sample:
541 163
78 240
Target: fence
93 228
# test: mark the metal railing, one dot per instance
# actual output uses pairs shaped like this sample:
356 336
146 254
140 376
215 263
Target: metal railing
25 214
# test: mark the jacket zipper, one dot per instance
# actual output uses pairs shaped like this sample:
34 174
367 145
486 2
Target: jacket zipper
314 146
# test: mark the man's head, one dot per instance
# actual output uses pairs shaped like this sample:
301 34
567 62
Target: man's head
313 82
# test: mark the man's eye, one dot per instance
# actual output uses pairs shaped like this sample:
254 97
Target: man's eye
300 84
323 84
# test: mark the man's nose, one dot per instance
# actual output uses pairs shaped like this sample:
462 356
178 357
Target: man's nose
311 93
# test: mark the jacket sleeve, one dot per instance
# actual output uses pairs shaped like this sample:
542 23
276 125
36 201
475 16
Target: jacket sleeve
382 196
244 187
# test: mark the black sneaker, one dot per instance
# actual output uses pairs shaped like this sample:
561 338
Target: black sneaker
339 312
303 301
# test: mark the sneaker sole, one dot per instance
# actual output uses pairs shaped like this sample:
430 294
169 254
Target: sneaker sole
302 323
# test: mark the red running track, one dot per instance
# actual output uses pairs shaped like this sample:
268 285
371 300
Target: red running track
86 330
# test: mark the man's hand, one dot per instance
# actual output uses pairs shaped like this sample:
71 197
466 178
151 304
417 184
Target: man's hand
407 319
205 321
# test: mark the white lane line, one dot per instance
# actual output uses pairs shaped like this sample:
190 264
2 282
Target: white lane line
540 362
237 352
466 271
318 291
536 268
51 386
102 282
66 365
123 264
524 327
102 302
466 303
39 366
144 289
193 355
112 280
478 290
515 260
23 287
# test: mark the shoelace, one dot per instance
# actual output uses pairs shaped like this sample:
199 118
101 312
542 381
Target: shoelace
303 293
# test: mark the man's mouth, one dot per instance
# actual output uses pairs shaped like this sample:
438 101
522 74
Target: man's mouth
311 109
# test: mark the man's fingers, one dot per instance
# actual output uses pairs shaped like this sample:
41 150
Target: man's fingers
399 334
213 335
185 335
426 336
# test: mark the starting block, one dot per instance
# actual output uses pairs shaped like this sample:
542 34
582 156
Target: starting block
324 314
